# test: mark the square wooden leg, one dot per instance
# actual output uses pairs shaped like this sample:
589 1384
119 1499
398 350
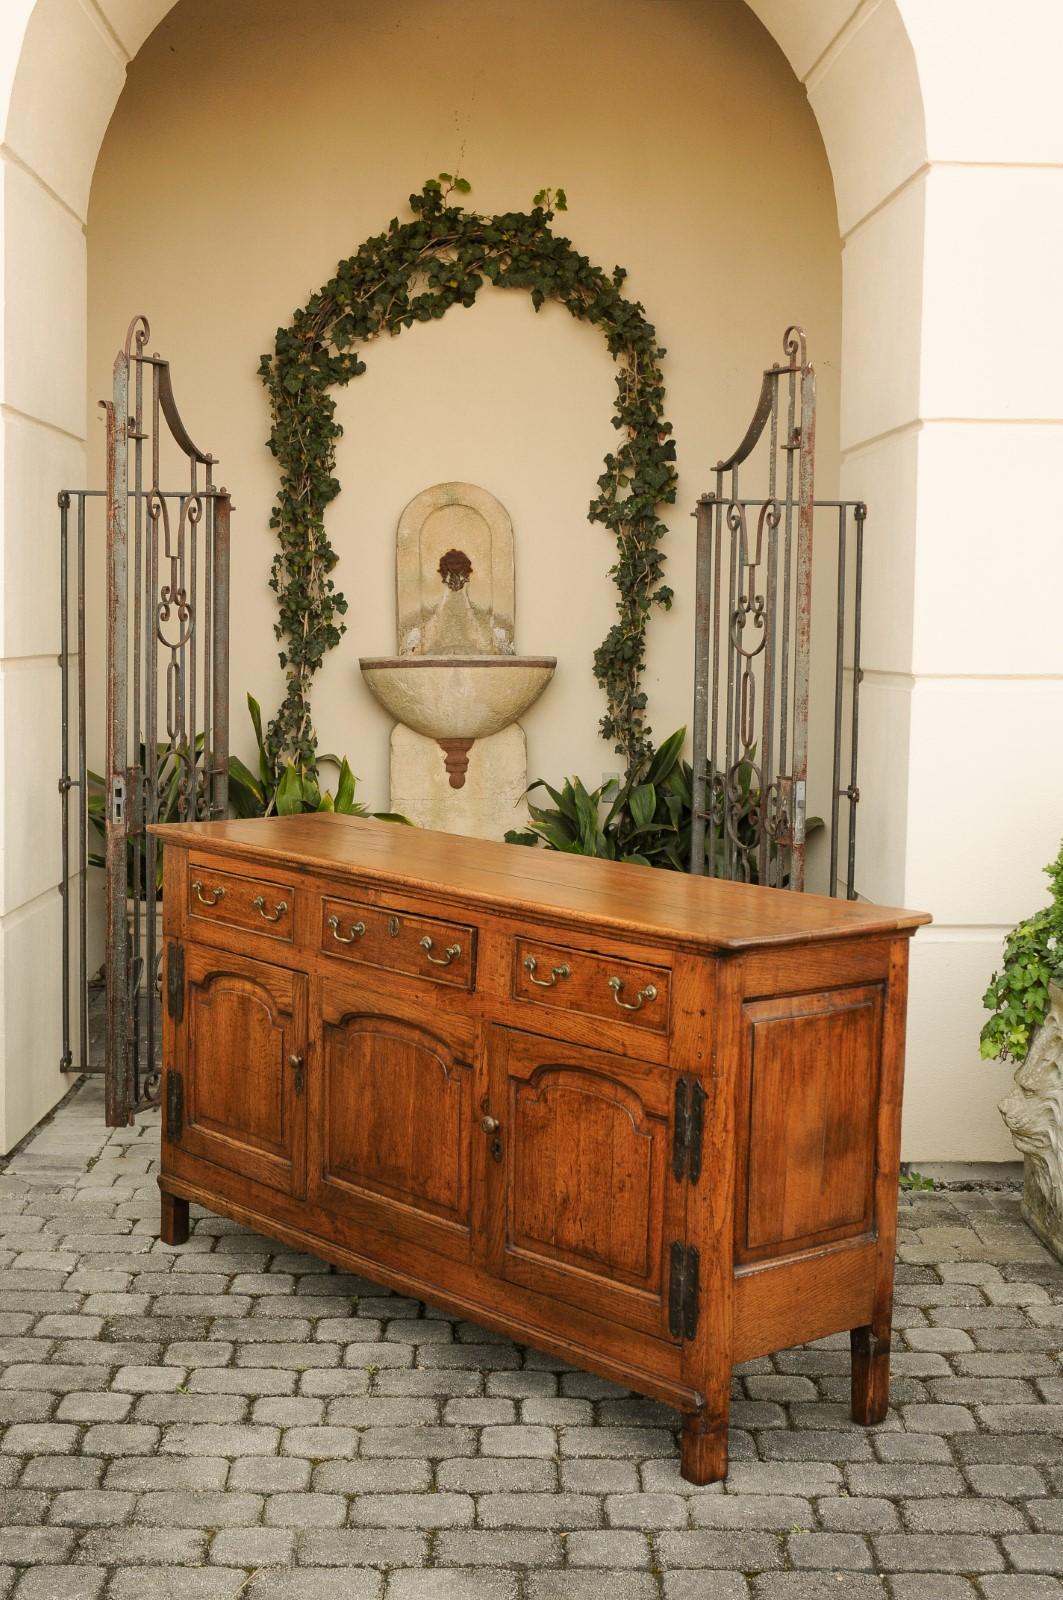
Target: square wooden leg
174 1224
870 1375
703 1452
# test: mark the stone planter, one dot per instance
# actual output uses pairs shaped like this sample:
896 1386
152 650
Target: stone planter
1033 1112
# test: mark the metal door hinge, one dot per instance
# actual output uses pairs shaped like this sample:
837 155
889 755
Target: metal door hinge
688 1131
175 979
175 1105
683 1291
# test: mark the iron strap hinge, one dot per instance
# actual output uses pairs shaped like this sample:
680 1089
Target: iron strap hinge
175 1105
688 1130
683 1291
175 979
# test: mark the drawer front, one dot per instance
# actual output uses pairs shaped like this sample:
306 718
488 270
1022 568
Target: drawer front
600 986
375 936
259 905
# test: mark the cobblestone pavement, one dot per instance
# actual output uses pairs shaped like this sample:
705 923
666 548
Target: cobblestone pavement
229 1419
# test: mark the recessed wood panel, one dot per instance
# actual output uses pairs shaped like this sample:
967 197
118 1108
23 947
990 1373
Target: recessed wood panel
244 1093
583 1201
811 1088
397 1113
265 906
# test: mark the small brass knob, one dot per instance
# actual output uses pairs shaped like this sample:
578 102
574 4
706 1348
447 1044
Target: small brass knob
490 1124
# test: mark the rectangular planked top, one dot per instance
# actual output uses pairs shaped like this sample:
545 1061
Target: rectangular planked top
709 913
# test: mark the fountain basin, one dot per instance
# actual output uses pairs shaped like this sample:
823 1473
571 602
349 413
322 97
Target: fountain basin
457 697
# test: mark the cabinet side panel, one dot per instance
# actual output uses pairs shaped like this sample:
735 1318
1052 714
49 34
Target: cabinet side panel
811 1096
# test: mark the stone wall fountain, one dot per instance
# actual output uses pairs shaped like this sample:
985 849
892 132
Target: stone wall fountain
459 758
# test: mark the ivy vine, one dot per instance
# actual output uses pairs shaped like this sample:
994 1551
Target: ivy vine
413 273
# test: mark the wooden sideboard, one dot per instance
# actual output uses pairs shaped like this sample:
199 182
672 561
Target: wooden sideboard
645 1122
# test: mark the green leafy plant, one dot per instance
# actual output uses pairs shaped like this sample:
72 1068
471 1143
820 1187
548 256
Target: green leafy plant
295 788
915 1181
1017 995
647 819
415 272
177 770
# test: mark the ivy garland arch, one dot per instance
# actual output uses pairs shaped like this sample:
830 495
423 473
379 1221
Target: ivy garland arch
413 273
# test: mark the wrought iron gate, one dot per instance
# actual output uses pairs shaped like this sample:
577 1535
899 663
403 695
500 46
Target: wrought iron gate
166 554
757 600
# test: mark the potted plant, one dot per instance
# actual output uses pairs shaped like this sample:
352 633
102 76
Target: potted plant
1026 1026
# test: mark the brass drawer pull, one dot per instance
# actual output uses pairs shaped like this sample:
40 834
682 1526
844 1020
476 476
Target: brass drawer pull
451 953
563 971
219 893
357 929
259 903
649 993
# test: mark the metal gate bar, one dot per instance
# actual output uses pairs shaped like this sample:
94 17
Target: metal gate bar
753 647
167 585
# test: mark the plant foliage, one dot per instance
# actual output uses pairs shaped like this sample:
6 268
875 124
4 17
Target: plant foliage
647 819
1018 994
295 788
414 272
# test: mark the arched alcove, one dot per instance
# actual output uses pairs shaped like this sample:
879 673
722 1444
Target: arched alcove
917 162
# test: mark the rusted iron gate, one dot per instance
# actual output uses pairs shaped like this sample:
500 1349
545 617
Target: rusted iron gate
763 611
166 554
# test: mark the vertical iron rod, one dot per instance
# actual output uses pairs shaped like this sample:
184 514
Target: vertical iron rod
66 1060
839 687
859 517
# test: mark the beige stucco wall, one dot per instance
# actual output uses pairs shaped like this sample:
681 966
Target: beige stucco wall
256 143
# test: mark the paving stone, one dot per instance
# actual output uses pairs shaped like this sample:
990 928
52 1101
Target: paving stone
591 1585
453 1584
308 1583
176 1472
1030 1586
928 1552
741 1552
705 1586
1036 1552
192 1508
497 1475
301 1509
831 1551
518 1440
361 1547
931 1586
180 1583
636 1442
858 1514
475 1547
92 1508
252 1547
40 1438
427 1442
610 1549
817 1586
195 1439
132 1547
61 1583
600 1475
768 1512
179 1407
62 1472
959 1514
564 1511
903 1479
412 1511
32 1547
370 1411
375 1477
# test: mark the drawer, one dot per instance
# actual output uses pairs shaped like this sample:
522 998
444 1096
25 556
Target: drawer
376 936
260 905
600 986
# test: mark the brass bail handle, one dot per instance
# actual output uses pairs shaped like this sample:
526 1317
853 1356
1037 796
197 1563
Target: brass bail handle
216 894
556 973
259 903
451 953
357 930
649 993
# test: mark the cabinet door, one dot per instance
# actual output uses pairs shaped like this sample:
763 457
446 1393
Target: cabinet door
243 1064
396 1117
583 1205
